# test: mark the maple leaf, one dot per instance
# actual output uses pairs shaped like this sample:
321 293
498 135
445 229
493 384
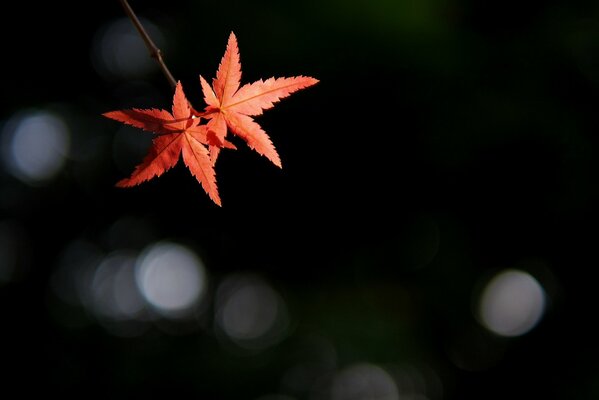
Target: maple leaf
177 133
230 107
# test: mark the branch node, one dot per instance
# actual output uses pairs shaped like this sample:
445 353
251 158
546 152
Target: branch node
154 51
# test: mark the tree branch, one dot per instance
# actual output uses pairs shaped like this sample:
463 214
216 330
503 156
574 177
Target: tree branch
155 52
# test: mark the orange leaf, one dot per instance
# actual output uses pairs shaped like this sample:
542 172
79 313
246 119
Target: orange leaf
177 133
229 107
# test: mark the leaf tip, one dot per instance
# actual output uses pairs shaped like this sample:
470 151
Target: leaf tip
276 160
232 41
310 81
110 114
214 196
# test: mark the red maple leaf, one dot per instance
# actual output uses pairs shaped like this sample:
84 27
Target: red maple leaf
177 132
230 107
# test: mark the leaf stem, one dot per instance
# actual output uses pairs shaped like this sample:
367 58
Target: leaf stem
155 52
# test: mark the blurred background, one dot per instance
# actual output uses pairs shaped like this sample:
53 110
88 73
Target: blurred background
432 234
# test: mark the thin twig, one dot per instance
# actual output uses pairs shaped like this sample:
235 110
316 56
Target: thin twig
155 52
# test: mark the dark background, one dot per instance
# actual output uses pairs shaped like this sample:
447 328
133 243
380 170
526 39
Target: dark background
445 141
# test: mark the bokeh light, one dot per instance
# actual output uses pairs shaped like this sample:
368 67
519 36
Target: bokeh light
512 303
172 278
125 289
419 382
119 51
116 301
35 145
250 313
114 291
363 381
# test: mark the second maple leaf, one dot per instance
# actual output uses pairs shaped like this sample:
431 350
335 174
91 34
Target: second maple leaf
230 108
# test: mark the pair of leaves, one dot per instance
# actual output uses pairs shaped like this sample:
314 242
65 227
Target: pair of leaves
200 136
